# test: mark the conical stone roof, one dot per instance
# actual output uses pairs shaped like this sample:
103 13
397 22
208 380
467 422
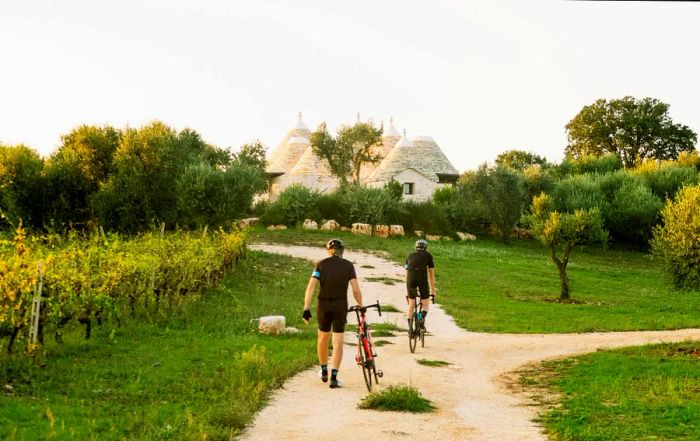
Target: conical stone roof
310 164
290 149
422 154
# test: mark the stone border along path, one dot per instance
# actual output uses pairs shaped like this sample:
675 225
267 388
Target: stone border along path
471 394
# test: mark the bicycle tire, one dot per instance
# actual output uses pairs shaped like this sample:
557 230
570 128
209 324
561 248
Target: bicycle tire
412 336
374 371
422 337
364 364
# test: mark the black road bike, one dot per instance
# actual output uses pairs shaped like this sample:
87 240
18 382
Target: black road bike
416 326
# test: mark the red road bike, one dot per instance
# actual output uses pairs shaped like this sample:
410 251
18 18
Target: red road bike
365 347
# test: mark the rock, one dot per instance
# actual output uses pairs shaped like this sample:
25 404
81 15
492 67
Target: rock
291 330
446 238
310 224
345 229
418 233
396 230
362 229
465 236
381 230
432 237
277 227
245 223
330 225
272 324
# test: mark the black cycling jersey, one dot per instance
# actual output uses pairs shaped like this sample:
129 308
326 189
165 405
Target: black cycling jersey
417 265
334 273
421 260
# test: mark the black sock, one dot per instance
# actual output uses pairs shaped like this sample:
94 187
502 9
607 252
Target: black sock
324 370
334 374
423 314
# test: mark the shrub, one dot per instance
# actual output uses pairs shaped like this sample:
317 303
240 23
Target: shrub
398 398
460 207
677 241
331 206
666 179
577 192
607 163
632 213
293 205
501 193
371 205
425 216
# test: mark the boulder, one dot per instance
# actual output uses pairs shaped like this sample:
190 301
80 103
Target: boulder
291 330
465 236
381 230
432 237
362 229
245 223
272 324
330 225
310 224
418 233
345 229
396 230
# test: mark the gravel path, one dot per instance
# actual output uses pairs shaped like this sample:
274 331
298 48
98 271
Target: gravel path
471 394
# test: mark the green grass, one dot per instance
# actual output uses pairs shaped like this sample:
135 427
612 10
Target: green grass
490 287
380 343
398 398
201 375
432 363
648 392
384 280
390 308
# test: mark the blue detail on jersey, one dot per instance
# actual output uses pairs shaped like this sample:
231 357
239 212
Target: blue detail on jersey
316 274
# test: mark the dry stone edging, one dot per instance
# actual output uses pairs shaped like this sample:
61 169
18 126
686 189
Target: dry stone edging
473 401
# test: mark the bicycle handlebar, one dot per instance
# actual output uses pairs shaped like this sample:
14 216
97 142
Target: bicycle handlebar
358 308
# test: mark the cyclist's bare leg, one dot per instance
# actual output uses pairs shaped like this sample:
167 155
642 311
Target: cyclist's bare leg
337 350
425 303
411 308
322 347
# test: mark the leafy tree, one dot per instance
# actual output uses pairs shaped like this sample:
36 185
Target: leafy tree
632 129
677 241
21 186
75 171
142 191
461 207
353 147
500 191
606 163
561 232
252 155
519 159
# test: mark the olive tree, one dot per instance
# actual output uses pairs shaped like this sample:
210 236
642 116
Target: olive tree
561 232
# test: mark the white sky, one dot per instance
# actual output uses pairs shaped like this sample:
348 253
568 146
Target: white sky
480 77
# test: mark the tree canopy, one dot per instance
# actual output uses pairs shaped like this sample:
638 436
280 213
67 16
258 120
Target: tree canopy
353 147
519 159
632 129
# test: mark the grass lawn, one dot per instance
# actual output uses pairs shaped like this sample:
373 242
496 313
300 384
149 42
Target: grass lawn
490 287
640 393
201 375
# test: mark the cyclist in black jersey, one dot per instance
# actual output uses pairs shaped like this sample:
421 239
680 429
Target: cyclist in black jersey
420 278
333 274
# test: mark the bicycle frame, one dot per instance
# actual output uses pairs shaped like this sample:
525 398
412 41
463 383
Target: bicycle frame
416 332
365 346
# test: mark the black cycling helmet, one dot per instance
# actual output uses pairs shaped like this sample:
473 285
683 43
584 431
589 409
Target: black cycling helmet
335 243
421 244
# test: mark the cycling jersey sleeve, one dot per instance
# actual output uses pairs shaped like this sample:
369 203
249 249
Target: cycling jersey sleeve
352 274
317 272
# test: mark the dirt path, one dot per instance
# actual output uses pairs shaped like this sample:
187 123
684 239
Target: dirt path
472 398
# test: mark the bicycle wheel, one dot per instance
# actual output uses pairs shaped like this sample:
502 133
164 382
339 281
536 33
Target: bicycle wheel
412 335
374 372
364 363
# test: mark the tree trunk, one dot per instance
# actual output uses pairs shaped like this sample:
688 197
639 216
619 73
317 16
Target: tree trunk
561 266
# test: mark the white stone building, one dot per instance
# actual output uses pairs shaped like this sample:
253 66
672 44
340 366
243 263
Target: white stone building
417 164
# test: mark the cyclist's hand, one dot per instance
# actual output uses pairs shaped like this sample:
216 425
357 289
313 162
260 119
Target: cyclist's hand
306 315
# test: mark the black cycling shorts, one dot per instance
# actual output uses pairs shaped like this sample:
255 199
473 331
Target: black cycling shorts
332 316
418 285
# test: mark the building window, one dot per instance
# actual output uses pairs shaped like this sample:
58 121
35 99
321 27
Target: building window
408 188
